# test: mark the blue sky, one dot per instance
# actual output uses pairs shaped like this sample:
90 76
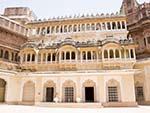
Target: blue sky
50 8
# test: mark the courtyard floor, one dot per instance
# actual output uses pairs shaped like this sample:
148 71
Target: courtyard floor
34 109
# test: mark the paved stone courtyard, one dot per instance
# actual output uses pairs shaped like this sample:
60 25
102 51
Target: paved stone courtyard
34 109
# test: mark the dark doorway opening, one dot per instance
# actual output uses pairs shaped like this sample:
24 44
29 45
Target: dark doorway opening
89 94
49 94
2 90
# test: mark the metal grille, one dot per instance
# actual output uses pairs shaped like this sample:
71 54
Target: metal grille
69 94
112 94
139 93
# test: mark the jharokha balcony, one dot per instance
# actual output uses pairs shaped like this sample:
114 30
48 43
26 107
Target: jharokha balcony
108 55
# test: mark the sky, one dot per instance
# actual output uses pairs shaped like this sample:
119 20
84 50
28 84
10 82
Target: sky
54 8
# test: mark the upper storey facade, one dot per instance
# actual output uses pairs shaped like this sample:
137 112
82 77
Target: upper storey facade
79 43
90 42
84 28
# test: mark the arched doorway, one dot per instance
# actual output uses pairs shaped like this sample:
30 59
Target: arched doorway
69 89
29 92
2 90
89 89
49 91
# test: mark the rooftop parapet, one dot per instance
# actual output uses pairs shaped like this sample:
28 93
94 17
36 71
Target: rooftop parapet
13 26
76 17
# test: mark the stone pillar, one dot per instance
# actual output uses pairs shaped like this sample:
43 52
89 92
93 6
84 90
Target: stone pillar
134 53
106 26
79 89
130 53
116 25
76 55
46 58
120 54
64 55
114 51
101 89
36 58
38 90
86 55
26 58
51 57
108 51
81 56
92 55
60 53
70 56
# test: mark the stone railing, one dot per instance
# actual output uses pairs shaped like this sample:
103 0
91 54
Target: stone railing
13 26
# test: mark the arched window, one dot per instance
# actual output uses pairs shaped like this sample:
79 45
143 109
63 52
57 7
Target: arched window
113 90
119 26
70 28
57 29
145 41
114 25
12 56
65 28
52 29
98 26
83 27
75 28
89 55
94 54
49 57
73 56
88 27
103 26
93 26
24 57
62 55
44 57
28 57
84 55
48 30
39 57
6 55
16 57
53 57
67 55
132 53
61 29
79 29
33 57
123 25
38 31
43 31
117 53
127 53
1 53
111 54
108 26
105 54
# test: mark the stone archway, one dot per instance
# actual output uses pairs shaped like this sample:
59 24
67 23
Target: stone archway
139 92
28 92
49 91
89 91
113 91
2 90
69 91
